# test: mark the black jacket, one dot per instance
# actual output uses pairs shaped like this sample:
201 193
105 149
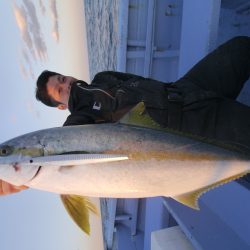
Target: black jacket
201 103
110 95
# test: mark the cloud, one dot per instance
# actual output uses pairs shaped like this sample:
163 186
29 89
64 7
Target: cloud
21 19
31 73
35 30
42 7
54 15
25 65
23 71
27 21
26 71
38 22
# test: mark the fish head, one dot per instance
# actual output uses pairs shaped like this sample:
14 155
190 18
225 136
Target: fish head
16 157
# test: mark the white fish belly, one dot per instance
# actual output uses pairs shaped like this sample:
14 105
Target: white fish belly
16 174
135 179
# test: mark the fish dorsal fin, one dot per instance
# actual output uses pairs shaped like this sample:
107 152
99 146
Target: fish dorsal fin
139 117
78 208
191 199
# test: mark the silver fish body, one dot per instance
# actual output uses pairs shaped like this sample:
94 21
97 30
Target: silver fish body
145 162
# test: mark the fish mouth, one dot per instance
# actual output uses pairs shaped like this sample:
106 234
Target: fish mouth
18 172
36 174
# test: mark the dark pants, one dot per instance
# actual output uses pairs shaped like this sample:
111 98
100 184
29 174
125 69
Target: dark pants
216 114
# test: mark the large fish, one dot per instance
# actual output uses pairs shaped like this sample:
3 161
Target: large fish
119 160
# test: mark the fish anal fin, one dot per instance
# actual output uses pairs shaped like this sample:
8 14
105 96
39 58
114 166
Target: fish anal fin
78 208
191 199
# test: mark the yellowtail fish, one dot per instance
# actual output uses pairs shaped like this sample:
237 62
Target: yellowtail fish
118 160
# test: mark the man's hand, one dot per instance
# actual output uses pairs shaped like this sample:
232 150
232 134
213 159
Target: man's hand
7 188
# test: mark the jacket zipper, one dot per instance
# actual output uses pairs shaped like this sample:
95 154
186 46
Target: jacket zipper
103 91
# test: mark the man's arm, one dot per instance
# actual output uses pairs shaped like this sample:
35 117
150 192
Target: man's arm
7 188
114 76
78 118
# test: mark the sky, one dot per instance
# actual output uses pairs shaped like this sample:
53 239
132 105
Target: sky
39 35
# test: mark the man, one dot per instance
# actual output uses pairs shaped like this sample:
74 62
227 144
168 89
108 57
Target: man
202 103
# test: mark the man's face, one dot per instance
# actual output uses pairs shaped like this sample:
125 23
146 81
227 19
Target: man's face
58 87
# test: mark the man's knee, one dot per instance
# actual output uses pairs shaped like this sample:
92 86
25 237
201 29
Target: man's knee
238 52
240 42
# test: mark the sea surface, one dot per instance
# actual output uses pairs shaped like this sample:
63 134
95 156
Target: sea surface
101 25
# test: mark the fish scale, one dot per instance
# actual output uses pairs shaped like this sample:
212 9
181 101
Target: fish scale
120 160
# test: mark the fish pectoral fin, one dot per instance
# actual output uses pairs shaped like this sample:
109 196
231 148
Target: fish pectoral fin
191 199
139 117
78 208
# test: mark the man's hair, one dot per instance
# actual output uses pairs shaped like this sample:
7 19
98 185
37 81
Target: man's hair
41 89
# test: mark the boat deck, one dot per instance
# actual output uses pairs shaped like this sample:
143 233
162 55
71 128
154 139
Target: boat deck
162 39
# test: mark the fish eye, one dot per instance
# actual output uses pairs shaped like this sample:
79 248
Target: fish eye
5 150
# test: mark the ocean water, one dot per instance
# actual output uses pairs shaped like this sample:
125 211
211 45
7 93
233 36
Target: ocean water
101 25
